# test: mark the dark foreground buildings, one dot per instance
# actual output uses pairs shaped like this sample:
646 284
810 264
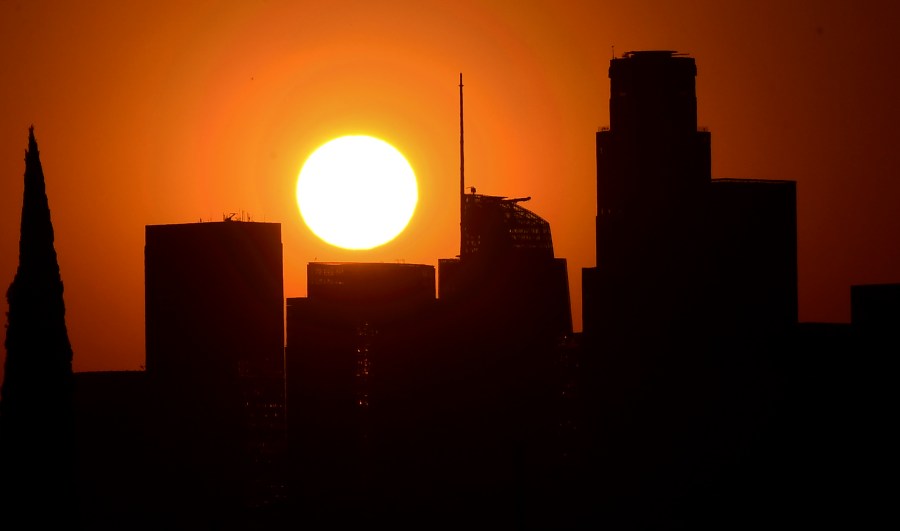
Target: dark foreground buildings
360 348
675 248
458 397
198 440
215 366
417 411
707 406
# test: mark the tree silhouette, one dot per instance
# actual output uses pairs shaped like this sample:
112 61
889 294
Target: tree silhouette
36 400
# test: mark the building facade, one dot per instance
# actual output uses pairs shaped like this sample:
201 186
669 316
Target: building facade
692 300
506 301
753 256
361 361
215 363
653 173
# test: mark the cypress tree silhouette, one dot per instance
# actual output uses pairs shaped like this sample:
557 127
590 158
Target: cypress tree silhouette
36 401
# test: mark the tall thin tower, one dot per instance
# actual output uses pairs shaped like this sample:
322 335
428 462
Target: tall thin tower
462 170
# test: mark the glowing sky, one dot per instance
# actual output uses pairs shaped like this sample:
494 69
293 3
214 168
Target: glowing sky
169 112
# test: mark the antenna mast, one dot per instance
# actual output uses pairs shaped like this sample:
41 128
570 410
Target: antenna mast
462 174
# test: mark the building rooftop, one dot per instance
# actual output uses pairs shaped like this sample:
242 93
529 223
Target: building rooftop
496 224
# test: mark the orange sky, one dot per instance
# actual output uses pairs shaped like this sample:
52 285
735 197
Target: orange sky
168 112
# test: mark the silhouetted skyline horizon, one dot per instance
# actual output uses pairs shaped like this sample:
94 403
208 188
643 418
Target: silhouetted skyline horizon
211 108
402 393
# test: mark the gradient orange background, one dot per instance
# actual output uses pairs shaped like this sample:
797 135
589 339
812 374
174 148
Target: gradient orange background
169 112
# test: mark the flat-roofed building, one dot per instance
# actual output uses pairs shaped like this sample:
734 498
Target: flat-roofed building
361 355
215 363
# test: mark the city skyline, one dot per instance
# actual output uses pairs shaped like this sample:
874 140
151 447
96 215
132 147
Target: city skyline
208 118
403 394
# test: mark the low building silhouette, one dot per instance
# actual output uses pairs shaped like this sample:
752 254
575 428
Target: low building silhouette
361 361
753 257
866 394
116 451
875 309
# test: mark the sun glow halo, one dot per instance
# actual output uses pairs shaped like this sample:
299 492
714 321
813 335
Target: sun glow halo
357 192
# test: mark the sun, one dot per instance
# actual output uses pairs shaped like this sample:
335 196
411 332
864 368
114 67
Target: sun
357 192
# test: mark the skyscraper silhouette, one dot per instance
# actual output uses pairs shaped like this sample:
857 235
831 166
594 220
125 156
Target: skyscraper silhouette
404 408
505 301
653 172
363 353
693 294
215 363
36 407
506 279
645 302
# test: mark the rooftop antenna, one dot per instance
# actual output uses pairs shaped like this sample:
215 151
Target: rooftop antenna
462 173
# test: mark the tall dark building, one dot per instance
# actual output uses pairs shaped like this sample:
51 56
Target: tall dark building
678 252
362 361
653 172
405 408
693 298
215 364
506 299
645 302
506 280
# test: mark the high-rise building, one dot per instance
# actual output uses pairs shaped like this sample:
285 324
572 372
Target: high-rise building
215 363
507 281
362 358
678 252
506 364
505 284
403 406
506 299
653 171
693 296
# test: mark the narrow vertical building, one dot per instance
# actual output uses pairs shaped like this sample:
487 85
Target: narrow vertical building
215 363
646 301
653 172
506 302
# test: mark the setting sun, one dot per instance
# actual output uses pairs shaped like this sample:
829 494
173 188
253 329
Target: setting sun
357 192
